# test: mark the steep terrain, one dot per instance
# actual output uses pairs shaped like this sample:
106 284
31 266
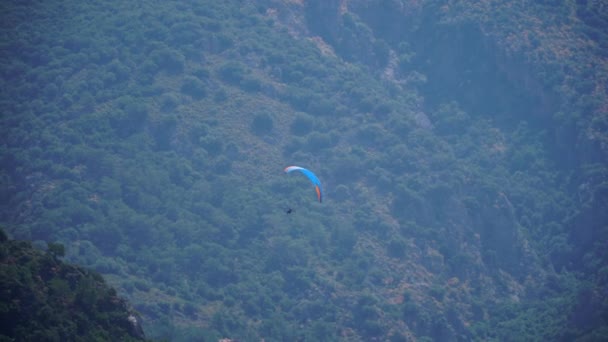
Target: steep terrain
44 299
462 149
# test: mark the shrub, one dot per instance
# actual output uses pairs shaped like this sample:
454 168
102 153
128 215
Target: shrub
194 87
220 96
317 141
232 72
141 285
168 102
251 84
302 124
262 124
438 292
56 250
341 193
396 248
170 60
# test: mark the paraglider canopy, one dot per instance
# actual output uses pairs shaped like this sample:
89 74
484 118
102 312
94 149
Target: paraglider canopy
311 176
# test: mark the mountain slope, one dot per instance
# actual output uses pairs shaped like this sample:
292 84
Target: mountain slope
45 299
464 182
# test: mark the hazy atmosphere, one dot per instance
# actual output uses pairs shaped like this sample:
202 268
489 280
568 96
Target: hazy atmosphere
455 184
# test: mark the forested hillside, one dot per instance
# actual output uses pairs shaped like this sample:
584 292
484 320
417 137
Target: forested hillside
462 149
44 299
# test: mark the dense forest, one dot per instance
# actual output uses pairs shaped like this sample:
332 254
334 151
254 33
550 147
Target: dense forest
43 299
462 148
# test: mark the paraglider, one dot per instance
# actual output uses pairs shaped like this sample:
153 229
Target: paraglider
311 176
